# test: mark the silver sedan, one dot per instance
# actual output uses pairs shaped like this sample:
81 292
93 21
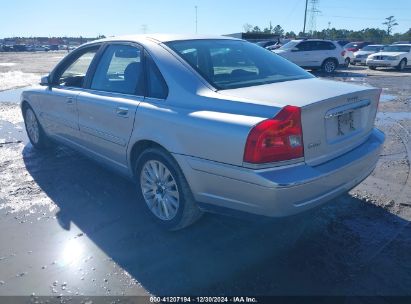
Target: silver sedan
207 124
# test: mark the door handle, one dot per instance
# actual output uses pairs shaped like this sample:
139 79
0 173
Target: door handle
122 111
69 100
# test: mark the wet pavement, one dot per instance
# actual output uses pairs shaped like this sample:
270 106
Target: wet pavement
69 226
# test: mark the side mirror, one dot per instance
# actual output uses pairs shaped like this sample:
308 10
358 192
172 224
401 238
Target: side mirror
45 81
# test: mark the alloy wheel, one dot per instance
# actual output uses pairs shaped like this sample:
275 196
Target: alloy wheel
32 126
159 189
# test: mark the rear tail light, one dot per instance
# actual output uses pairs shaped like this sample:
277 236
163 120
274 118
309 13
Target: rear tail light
343 53
352 49
276 139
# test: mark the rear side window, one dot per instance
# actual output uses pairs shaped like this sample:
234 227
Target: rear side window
120 70
325 45
156 85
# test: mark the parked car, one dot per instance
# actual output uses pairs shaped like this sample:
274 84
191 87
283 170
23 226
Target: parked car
268 43
250 131
361 56
53 47
342 43
19 48
278 45
38 48
313 54
395 55
351 48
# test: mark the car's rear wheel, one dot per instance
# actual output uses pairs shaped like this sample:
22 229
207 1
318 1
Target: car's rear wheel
329 65
347 61
402 64
34 130
372 67
165 190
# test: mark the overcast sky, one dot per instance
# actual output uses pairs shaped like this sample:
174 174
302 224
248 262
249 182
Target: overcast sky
115 17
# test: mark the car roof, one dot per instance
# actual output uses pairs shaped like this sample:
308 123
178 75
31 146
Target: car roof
161 38
401 44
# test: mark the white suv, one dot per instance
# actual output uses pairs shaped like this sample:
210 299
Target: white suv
313 54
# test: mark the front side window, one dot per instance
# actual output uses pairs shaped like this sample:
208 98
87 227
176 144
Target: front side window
75 73
228 64
306 46
120 70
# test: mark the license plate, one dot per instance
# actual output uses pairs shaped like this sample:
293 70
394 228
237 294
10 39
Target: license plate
345 123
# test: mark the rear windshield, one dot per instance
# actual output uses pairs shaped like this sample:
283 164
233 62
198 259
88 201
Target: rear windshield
229 64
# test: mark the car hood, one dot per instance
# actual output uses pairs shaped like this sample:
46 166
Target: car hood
389 54
296 92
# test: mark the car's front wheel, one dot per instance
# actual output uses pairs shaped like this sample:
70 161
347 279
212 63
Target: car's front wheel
402 64
329 65
165 190
34 130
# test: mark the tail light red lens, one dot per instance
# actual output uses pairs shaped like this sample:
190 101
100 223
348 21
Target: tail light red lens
276 139
343 53
352 49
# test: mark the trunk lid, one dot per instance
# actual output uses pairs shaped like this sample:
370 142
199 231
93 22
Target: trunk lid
336 116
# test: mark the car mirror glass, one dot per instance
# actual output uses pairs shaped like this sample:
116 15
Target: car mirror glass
45 80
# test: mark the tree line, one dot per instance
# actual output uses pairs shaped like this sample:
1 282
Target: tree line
376 35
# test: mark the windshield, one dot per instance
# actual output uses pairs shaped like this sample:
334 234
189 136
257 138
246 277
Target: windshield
290 45
372 48
228 64
397 48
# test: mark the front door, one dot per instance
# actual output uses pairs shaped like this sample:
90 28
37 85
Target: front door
58 108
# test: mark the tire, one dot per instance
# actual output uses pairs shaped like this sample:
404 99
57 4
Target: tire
34 130
329 65
372 67
401 66
347 61
166 193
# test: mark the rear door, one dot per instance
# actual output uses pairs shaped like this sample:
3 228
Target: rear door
107 107
303 55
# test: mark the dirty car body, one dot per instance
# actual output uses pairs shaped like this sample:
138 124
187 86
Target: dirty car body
227 124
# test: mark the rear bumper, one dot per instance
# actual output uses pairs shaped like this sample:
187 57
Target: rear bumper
281 191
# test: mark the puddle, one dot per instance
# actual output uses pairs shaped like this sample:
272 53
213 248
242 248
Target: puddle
12 96
394 116
387 97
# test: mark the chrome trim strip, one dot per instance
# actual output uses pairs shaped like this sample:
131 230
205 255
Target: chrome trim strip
347 109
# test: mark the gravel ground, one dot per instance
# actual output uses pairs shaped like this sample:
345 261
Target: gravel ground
71 227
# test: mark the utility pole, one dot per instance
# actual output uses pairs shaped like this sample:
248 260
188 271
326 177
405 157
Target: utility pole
196 9
305 15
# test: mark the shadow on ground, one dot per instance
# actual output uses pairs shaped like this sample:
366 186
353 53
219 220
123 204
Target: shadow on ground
348 247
